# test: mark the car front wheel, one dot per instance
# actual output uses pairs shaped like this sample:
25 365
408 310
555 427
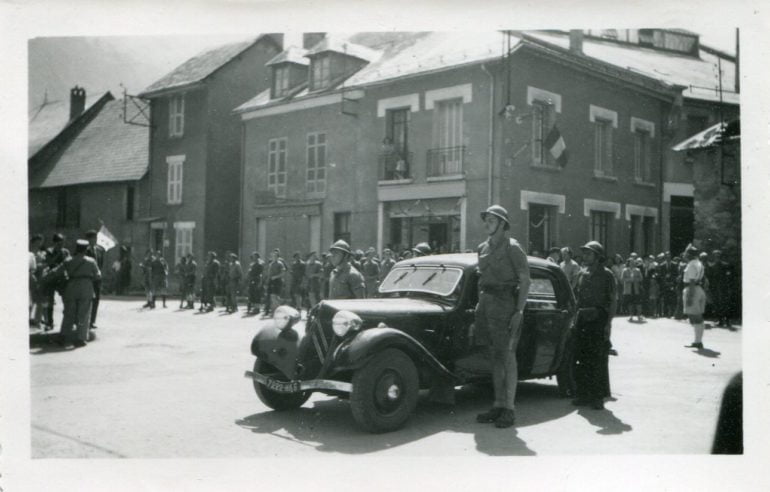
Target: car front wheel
274 399
385 391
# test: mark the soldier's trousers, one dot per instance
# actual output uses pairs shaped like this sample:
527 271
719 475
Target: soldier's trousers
95 301
592 361
493 322
77 317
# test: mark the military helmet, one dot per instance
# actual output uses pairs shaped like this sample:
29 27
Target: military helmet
340 245
498 212
422 249
594 246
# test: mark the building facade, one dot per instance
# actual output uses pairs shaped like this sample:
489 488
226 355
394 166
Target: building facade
420 134
195 148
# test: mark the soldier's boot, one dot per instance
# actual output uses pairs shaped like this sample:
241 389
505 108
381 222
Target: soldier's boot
506 419
490 416
164 300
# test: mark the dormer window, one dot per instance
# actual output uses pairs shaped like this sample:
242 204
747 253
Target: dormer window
321 67
280 81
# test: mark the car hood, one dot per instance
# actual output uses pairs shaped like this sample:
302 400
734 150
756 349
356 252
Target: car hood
367 308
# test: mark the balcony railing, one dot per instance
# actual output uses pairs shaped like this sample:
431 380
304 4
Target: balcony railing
394 165
448 161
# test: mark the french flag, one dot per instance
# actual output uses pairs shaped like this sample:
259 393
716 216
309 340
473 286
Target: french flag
554 142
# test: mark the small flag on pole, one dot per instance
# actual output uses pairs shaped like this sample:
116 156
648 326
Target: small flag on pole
554 142
105 239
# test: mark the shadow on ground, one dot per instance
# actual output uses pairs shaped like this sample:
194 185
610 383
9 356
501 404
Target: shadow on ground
605 420
329 426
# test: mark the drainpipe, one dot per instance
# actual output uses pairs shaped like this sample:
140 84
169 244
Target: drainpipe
491 150
243 186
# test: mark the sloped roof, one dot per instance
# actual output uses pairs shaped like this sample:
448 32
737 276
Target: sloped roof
199 67
291 54
698 75
712 136
49 118
106 150
343 44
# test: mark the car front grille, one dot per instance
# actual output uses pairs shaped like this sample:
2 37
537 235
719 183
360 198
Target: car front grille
316 348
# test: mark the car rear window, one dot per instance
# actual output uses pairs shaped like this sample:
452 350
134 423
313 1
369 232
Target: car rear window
437 280
541 287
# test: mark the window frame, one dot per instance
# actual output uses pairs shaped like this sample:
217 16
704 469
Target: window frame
176 113
321 71
276 157
130 202
543 115
342 219
603 147
174 179
280 81
183 239
642 155
551 231
314 184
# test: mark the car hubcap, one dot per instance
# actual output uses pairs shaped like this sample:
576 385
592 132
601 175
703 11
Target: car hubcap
388 392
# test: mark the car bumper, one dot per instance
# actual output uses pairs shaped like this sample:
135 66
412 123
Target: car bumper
297 386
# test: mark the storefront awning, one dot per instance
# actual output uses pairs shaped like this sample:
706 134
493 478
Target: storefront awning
711 137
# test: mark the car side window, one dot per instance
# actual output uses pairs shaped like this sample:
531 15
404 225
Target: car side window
542 292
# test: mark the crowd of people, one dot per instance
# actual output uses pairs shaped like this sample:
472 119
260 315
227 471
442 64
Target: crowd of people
75 278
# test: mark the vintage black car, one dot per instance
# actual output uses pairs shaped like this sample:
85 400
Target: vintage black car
417 334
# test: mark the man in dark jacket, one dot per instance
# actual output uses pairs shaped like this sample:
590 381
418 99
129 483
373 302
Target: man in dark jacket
597 302
82 271
254 276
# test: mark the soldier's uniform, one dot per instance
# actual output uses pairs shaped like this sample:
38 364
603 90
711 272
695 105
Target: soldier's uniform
371 273
159 269
274 281
97 253
345 282
53 258
210 278
501 262
190 272
297 279
313 273
596 291
255 283
82 271
235 274
385 266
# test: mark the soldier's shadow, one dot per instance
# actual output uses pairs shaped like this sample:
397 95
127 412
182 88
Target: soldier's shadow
607 422
327 425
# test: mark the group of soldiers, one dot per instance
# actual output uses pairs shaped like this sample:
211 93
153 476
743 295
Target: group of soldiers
301 282
76 278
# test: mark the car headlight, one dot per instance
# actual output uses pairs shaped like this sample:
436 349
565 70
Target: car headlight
345 321
284 317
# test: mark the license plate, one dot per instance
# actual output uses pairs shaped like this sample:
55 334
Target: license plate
281 386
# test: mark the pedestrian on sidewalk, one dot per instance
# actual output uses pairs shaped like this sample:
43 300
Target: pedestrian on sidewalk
180 273
159 269
254 277
503 283
209 282
631 279
82 271
190 274
693 295
597 302
146 266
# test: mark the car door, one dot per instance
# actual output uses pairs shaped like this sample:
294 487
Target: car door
542 333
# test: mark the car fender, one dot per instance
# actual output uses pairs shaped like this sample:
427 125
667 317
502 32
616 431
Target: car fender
354 354
277 347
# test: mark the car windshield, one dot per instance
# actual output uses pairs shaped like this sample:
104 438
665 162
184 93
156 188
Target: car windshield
434 279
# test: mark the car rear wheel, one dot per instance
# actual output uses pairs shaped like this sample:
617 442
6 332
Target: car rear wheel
274 399
385 391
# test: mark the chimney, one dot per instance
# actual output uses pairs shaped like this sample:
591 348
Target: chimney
77 102
310 39
576 41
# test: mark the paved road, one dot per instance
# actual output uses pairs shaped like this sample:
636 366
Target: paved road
169 383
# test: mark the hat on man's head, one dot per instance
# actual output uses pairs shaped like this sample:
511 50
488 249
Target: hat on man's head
91 233
554 249
58 237
594 246
691 250
340 245
498 212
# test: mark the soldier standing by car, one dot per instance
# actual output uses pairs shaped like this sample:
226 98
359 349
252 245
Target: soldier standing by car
597 302
503 287
346 282
371 272
274 281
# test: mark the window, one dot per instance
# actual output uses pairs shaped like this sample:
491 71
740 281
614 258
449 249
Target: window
635 242
342 226
280 81
602 147
176 116
542 120
276 166
174 182
446 158
542 227
316 163
600 227
648 235
184 239
642 157
321 72
398 128
130 196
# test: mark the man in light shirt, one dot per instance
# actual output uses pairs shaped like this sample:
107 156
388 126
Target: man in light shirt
693 295
570 267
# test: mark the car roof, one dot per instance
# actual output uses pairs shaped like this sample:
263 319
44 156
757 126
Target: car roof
466 260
